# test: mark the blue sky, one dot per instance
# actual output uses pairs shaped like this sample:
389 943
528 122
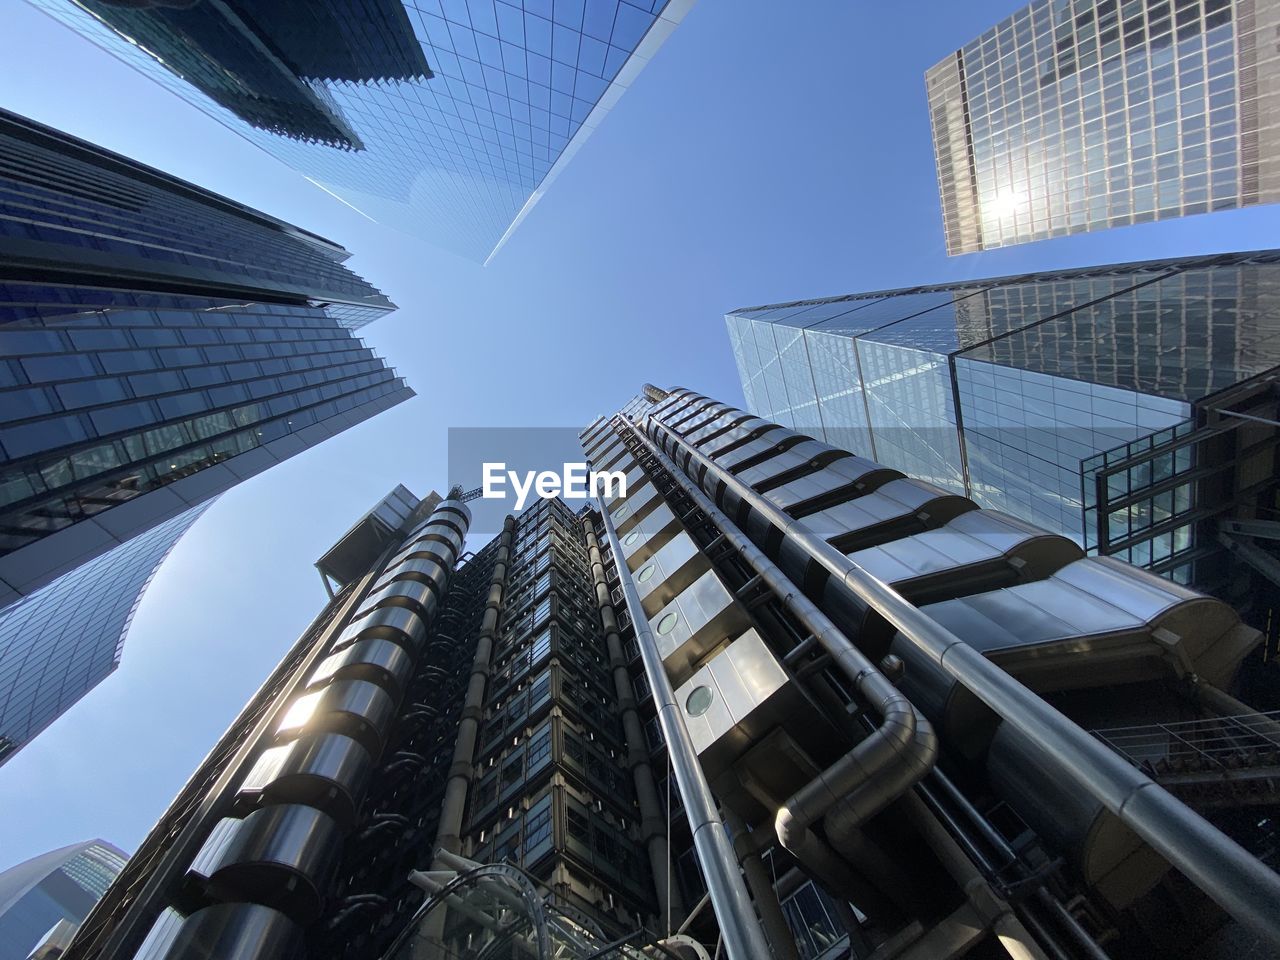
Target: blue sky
770 152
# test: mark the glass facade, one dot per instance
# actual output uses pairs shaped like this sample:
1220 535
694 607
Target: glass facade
1075 115
1004 389
158 344
447 119
71 211
99 407
58 643
60 885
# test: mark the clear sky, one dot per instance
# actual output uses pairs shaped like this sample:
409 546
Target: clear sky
770 152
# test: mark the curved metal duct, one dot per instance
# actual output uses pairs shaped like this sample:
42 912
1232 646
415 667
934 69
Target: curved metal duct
896 509
399 624
978 551
279 856
1107 856
420 596
705 417
244 931
327 771
715 428
425 566
437 532
1134 626
383 662
766 446
356 708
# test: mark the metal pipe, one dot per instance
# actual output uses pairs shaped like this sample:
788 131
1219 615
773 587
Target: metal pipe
448 833
871 775
1240 883
652 823
995 911
739 926
762 892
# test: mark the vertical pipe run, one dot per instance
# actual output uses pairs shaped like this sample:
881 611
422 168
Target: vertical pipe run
739 927
652 823
762 890
873 774
449 831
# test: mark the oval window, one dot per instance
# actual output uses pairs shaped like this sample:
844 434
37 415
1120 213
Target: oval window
668 623
644 575
631 538
621 512
699 701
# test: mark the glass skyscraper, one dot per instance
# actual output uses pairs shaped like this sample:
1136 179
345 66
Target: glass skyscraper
62 885
1075 115
447 119
158 344
1018 391
58 643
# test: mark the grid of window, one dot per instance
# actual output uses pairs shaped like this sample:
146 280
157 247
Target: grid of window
551 708
63 193
1075 115
98 407
59 885
58 643
1145 500
456 156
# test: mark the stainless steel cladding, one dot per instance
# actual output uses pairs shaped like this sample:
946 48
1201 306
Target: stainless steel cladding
245 931
967 600
668 571
978 550
356 708
740 698
267 870
327 771
278 856
383 662
648 534
701 618
1133 625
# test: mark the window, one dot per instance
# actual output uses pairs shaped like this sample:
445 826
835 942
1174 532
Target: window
539 748
537 830
542 645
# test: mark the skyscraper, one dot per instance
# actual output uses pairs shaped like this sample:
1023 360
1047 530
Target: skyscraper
158 344
447 121
61 641
1075 115
62 885
770 695
1109 404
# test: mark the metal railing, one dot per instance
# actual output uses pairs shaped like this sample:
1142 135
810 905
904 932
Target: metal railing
1217 760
